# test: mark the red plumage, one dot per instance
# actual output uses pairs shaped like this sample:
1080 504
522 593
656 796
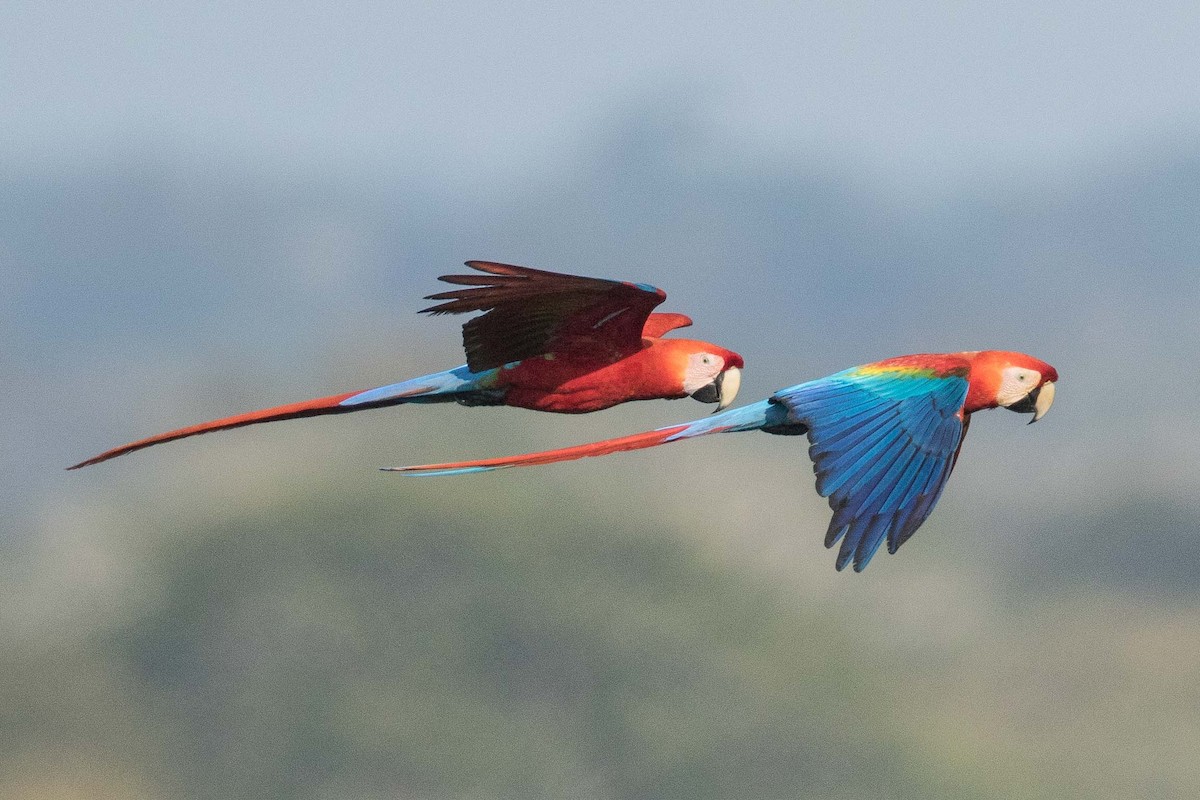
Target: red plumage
545 341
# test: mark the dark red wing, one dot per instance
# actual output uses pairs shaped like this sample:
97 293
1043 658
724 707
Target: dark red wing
529 312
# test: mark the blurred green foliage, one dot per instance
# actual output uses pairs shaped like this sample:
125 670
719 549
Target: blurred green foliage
489 639
375 645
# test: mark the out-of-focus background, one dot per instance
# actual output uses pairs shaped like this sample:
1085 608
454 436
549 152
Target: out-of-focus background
210 208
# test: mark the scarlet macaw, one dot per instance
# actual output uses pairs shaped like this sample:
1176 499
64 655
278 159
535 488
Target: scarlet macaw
883 437
547 342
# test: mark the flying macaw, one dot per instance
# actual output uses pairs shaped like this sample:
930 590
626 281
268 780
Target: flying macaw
547 342
883 437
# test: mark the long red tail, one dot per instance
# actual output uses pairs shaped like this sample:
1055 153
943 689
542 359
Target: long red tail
307 408
637 441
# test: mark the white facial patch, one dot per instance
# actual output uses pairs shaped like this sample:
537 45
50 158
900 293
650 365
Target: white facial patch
702 369
1015 384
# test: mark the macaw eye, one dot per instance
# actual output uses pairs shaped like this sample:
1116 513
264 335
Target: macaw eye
706 360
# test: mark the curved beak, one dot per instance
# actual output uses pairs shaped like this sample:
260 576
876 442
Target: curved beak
1043 400
728 383
722 390
1038 401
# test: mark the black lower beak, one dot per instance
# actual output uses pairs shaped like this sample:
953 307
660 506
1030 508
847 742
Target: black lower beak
710 393
1027 404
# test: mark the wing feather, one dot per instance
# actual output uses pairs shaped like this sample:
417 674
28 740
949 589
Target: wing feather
529 312
657 325
883 441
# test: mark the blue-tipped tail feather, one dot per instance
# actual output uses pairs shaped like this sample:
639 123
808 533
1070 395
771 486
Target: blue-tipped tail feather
452 384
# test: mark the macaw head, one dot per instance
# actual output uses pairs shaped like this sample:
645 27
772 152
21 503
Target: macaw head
711 374
1016 381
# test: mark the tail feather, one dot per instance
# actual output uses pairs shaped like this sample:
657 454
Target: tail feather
751 417
439 387
307 408
637 441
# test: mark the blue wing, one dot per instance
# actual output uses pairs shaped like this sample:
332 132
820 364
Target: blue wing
883 443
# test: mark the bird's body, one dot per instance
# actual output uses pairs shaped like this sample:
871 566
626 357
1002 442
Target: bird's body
883 437
584 384
546 342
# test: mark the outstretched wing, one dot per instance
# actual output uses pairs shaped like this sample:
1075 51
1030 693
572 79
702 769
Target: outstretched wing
529 312
883 440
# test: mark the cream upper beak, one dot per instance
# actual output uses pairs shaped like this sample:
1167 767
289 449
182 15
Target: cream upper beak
731 381
1045 399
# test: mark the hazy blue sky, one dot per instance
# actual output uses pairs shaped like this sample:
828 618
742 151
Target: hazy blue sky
469 94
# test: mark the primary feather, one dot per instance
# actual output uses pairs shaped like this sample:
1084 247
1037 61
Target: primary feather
528 312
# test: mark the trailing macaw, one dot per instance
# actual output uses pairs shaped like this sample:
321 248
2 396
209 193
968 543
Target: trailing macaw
546 342
883 437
